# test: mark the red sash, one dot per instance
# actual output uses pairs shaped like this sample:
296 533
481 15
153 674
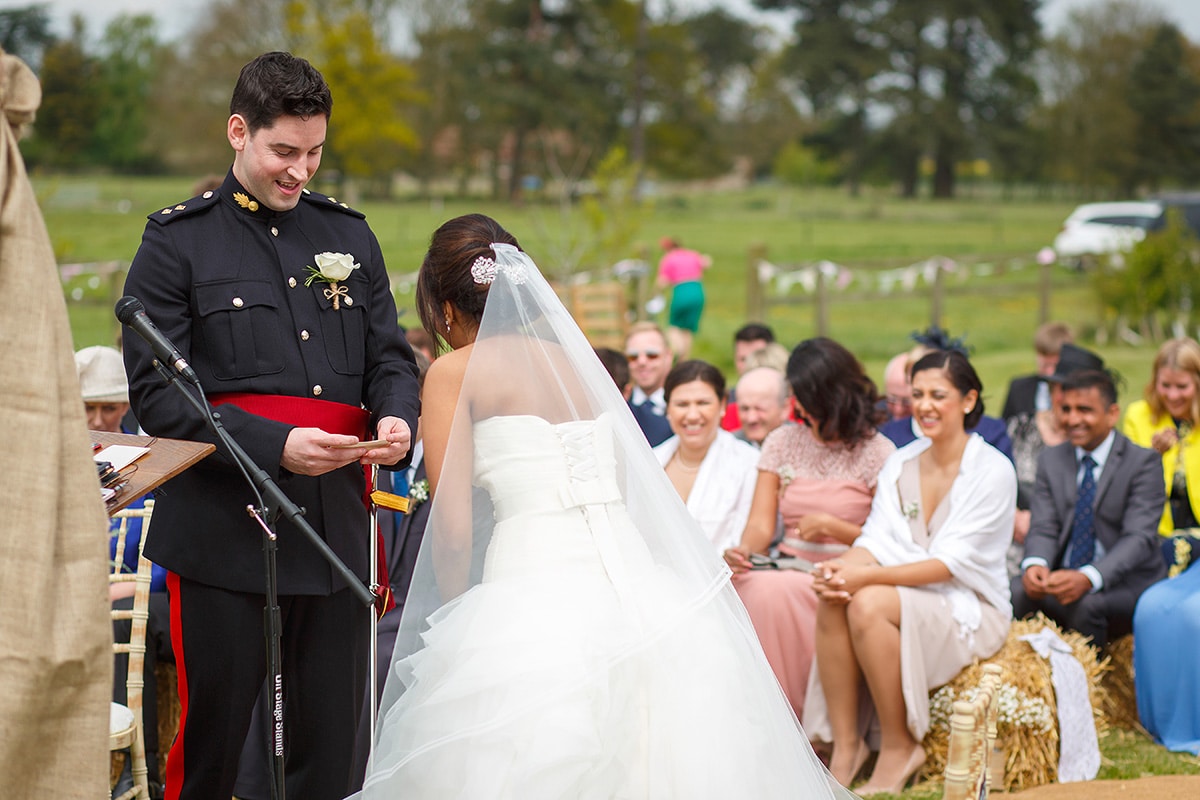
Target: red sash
330 417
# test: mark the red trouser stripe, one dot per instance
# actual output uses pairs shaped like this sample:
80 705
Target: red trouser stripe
174 774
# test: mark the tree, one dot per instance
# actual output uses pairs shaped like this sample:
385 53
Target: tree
1164 94
838 50
1091 130
25 33
66 122
372 89
128 63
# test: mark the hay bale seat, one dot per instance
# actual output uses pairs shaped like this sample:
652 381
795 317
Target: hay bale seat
1027 725
1121 697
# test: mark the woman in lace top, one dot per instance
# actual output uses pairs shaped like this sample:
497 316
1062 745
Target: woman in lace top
816 480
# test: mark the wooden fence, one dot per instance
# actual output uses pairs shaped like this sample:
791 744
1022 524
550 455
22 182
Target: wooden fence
825 283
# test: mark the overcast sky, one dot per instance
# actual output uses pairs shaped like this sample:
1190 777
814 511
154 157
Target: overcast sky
174 20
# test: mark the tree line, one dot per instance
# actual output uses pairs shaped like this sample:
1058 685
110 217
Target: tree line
509 96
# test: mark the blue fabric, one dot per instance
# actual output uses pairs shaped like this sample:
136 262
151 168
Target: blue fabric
653 425
1082 546
133 535
993 431
1166 650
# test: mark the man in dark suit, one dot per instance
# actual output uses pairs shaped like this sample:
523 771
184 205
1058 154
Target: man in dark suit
649 362
1092 546
1031 393
280 300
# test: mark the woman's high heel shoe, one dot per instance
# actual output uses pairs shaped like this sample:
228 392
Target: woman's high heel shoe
860 758
916 760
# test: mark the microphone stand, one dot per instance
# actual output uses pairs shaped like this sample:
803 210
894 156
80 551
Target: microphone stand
271 502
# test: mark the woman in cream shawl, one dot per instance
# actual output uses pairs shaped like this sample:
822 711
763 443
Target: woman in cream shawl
924 590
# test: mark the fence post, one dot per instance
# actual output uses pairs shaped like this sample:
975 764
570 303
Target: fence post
1044 272
822 303
935 306
755 306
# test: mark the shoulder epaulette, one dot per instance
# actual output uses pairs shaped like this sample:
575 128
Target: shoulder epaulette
170 213
324 201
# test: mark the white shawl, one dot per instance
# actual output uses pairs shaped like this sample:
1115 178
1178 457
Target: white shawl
973 540
721 496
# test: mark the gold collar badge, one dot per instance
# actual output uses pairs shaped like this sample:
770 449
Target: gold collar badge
245 202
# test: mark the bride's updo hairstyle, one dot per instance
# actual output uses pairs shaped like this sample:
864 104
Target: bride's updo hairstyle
446 271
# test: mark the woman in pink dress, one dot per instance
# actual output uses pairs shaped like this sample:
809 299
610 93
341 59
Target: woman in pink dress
820 478
681 269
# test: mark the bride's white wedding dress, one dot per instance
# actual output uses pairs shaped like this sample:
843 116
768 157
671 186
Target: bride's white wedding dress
579 666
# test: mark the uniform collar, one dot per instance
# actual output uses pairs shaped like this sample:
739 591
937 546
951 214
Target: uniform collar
235 195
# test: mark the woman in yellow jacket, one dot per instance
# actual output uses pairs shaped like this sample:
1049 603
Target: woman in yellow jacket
1166 622
1168 421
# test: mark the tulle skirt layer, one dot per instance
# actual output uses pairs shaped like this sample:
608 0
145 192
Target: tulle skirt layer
583 670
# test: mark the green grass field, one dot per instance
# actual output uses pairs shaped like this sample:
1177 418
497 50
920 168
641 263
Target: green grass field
100 219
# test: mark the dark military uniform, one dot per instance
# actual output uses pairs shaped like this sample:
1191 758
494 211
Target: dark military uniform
223 278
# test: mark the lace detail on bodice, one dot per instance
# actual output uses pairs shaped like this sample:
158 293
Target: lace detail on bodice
793 450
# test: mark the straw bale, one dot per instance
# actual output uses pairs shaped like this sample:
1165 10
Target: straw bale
1121 706
1027 729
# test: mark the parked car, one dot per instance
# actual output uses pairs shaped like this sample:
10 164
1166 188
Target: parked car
1099 229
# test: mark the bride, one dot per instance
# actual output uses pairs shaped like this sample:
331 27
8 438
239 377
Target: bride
568 633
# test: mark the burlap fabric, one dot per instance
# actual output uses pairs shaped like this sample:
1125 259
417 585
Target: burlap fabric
55 634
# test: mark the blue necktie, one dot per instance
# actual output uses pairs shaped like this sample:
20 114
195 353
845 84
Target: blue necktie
1082 546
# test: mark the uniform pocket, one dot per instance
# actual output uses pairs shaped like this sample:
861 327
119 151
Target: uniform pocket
239 325
345 331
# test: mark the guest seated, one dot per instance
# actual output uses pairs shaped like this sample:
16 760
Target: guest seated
821 477
712 471
904 430
1032 432
105 393
897 399
1166 622
1029 394
750 337
764 404
1092 548
923 592
649 360
1167 421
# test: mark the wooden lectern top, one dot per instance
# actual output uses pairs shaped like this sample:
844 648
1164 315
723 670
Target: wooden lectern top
166 459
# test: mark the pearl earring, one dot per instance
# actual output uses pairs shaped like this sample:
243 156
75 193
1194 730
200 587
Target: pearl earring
447 323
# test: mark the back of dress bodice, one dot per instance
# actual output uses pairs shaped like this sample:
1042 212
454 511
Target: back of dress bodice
529 465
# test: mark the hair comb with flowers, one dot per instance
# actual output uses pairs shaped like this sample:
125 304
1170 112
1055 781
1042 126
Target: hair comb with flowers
508 258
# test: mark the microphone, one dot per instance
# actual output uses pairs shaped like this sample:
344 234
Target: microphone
132 313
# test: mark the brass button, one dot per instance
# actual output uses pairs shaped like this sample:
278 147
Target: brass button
317 389
274 231
292 282
304 336
238 302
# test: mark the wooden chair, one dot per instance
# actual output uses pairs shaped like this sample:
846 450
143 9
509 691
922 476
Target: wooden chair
125 721
972 735
600 309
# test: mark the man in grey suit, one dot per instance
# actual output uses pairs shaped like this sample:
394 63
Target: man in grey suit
1092 547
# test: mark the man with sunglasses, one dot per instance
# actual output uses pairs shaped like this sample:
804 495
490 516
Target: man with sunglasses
649 362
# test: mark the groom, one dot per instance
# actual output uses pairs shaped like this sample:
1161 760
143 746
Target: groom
279 299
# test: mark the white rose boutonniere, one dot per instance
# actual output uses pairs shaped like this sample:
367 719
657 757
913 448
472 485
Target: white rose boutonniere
331 268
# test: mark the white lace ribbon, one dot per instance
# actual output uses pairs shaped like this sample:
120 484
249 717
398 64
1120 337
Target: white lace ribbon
1079 749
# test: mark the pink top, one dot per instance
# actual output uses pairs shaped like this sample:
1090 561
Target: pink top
818 477
681 265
